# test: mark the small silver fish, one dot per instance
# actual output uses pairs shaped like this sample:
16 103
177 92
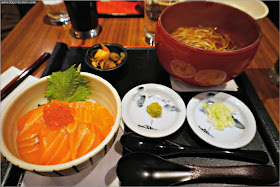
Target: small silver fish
172 108
238 124
141 100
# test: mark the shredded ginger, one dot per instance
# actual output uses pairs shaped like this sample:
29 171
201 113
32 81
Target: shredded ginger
219 115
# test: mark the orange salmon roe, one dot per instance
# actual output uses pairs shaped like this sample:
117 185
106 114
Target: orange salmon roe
58 115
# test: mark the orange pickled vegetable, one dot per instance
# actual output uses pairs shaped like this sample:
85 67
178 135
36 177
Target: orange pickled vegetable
104 48
104 59
101 55
61 131
109 64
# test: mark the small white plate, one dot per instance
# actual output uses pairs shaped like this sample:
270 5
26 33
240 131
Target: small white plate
141 122
230 137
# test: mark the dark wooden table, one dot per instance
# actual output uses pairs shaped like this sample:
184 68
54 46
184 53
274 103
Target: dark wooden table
34 35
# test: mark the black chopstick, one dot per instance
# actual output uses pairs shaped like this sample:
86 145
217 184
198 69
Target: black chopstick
24 73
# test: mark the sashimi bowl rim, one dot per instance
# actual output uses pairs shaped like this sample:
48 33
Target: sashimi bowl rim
57 167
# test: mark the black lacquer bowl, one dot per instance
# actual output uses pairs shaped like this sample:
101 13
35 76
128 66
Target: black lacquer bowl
105 72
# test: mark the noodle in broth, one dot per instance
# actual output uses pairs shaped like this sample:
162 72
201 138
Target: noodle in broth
204 38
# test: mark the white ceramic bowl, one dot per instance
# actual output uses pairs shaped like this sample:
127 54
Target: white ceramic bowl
102 92
255 8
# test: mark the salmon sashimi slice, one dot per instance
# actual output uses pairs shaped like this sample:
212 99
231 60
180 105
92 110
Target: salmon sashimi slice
89 141
30 124
85 137
29 150
76 138
61 131
62 151
106 120
27 140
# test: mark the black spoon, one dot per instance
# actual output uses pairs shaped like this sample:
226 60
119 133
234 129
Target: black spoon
147 169
135 143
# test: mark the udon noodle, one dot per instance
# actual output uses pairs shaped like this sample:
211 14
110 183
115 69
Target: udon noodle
204 37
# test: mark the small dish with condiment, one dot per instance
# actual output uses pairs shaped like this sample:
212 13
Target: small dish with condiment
105 59
228 124
153 110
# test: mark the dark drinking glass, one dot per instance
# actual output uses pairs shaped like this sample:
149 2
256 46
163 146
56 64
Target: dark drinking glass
84 19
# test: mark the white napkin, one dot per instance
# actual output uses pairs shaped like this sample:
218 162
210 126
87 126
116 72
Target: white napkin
104 174
179 86
7 77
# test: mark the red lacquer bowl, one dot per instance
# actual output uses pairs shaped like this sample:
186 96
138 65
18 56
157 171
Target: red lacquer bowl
199 67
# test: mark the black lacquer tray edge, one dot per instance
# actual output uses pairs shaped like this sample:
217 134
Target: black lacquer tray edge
268 130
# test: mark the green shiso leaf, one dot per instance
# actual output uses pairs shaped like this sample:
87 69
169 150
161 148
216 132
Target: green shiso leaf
68 85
